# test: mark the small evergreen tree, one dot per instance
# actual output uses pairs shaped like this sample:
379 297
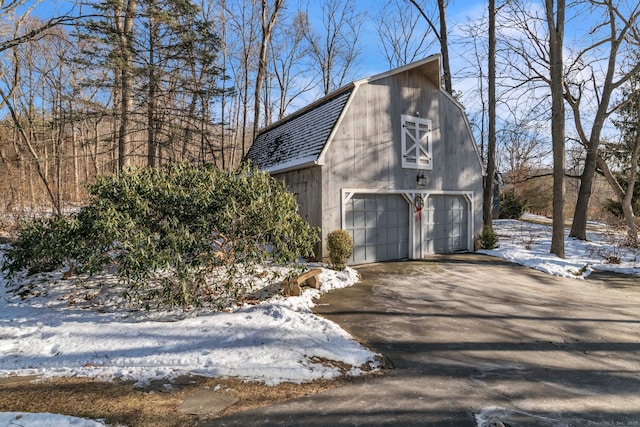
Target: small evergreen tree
512 206
488 238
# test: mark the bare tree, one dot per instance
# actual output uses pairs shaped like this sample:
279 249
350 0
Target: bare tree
625 195
474 36
8 11
624 156
619 29
487 197
539 72
241 43
289 51
27 94
523 148
335 47
269 16
441 36
555 18
402 40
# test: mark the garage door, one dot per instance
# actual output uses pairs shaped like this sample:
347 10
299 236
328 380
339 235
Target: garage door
446 229
379 225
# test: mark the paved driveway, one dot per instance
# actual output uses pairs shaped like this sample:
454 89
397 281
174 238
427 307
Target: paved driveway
478 341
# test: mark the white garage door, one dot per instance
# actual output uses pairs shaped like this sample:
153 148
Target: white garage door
446 227
379 225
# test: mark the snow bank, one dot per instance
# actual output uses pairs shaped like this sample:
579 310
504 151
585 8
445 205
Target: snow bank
57 329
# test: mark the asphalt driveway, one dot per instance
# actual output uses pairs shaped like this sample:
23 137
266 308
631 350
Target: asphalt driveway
476 341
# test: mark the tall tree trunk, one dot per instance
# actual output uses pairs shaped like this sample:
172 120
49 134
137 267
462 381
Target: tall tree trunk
444 46
59 149
151 98
223 100
580 215
442 39
40 167
268 21
622 26
75 154
625 198
124 26
491 146
555 23
245 109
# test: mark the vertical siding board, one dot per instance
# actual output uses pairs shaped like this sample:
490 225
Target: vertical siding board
306 184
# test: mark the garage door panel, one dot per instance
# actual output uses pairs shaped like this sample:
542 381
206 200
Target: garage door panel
348 219
359 236
380 252
370 204
371 219
391 232
358 204
396 203
380 227
359 252
445 228
372 237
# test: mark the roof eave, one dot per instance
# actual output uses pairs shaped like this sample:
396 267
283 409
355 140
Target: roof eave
434 73
292 166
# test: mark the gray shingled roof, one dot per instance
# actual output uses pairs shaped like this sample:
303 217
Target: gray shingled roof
299 139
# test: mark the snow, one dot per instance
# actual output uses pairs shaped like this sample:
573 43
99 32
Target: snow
56 328
24 419
60 330
529 244
53 327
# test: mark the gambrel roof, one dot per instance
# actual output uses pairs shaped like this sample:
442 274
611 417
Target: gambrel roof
298 141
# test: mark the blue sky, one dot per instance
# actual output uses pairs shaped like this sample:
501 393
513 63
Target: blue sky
373 61
459 12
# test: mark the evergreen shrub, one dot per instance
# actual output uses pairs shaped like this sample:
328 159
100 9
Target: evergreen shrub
169 231
488 238
340 245
511 205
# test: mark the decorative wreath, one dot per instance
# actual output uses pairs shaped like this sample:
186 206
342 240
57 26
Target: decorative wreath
418 202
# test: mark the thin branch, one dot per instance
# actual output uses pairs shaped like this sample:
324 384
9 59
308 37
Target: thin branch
63 20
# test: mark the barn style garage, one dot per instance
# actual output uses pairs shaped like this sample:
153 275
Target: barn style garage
390 158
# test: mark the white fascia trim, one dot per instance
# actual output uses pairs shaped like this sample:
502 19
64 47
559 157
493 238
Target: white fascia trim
293 165
347 193
410 66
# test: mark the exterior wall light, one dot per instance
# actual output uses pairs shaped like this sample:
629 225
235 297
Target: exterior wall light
421 180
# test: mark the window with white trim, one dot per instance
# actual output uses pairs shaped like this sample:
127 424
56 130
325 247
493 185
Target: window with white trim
416 143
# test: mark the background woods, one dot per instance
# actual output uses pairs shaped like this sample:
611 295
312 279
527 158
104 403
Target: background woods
145 82
91 87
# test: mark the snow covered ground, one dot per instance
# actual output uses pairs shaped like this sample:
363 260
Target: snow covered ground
57 329
25 419
529 244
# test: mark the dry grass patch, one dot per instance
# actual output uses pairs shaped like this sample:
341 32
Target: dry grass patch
120 403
